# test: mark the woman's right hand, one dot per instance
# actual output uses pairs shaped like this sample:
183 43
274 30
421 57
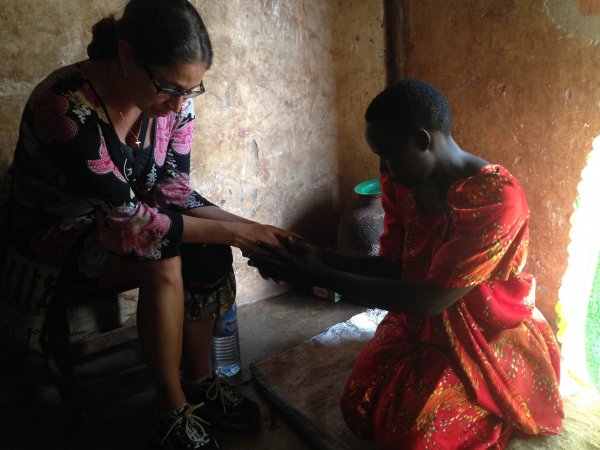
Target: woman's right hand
247 235
294 260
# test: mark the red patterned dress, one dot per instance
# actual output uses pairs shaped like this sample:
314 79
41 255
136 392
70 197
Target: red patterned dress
488 365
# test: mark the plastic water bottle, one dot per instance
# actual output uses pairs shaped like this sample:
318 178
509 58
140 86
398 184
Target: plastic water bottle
226 344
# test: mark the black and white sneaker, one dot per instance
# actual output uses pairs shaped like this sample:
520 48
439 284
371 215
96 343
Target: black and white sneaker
223 406
182 429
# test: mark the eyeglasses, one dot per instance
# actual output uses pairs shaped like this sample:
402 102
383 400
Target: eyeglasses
172 93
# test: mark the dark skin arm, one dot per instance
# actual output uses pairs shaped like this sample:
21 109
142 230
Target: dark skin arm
299 262
374 266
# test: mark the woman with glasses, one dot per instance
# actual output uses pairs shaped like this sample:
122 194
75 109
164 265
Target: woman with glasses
100 195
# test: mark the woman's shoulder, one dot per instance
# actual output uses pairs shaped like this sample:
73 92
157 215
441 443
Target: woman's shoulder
65 91
491 175
491 185
62 79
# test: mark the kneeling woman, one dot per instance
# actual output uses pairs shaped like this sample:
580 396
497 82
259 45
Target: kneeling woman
463 358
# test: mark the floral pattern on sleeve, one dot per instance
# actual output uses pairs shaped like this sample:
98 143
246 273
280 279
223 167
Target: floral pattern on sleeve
172 188
139 230
489 233
79 159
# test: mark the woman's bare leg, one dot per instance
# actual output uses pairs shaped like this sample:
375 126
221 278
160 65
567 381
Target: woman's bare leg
159 319
196 348
160 329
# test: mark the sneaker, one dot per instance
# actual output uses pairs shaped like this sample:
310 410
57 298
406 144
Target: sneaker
223 406
181 429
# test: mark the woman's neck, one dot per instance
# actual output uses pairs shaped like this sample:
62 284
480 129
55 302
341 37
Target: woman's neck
453 164
110 84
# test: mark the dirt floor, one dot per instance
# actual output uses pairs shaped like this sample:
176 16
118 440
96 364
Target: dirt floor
31 417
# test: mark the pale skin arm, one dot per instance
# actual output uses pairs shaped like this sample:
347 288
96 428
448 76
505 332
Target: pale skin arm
212 225
215 213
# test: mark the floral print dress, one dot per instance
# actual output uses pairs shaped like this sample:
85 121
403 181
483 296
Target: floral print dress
74 194
488 365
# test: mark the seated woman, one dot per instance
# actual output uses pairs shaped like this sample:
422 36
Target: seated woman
100 195
463 359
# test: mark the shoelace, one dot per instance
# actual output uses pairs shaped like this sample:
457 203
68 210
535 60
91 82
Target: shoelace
221 387
193 426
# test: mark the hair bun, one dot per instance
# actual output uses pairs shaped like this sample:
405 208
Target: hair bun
104 39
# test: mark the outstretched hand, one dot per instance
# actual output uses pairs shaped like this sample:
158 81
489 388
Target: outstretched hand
248 234
295 260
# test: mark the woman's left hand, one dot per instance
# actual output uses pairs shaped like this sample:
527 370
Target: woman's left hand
295 261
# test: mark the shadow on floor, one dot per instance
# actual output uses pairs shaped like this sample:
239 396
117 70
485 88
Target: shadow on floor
33 418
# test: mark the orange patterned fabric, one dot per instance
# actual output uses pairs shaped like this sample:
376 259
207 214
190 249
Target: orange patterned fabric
488 365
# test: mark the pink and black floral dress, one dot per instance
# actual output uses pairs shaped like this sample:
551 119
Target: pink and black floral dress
75 193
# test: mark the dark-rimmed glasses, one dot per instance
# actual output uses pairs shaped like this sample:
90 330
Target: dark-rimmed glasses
172 93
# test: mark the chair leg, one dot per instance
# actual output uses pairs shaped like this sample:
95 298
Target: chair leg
60 360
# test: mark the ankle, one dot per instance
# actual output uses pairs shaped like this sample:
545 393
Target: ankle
168 399
189 382
167 414
196 377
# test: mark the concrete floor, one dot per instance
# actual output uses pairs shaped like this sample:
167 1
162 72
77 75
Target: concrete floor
267 327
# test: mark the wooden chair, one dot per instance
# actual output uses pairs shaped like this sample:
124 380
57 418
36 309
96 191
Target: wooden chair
91 347
87 337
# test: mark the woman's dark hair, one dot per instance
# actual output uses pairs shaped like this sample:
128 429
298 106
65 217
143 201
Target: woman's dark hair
410 104
161 33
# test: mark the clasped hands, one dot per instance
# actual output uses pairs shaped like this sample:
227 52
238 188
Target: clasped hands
294 260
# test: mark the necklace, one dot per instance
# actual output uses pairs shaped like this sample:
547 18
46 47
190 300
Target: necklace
135 136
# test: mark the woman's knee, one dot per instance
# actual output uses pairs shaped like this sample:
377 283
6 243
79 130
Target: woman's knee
118 271
163 272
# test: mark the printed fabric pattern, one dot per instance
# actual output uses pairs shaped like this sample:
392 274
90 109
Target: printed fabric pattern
74 196
489 364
